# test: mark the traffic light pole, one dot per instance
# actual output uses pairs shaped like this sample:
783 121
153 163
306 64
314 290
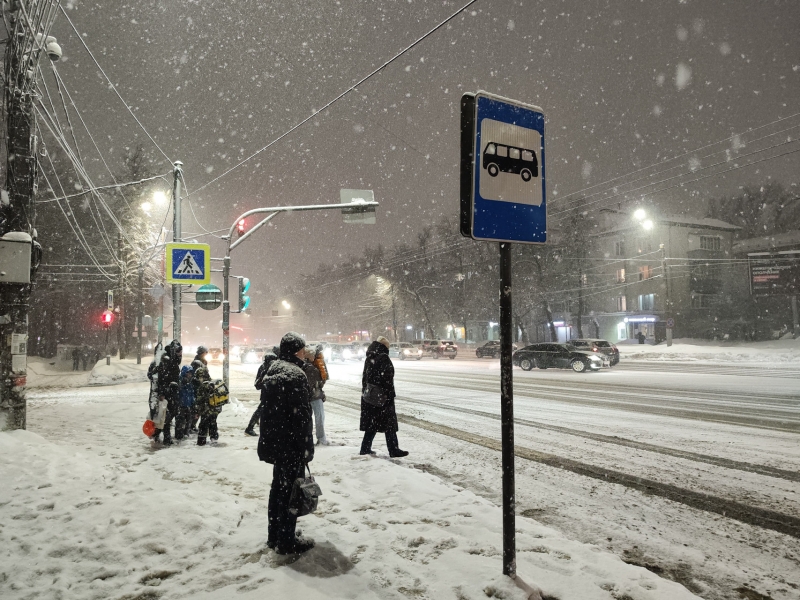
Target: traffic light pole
226 265
176 237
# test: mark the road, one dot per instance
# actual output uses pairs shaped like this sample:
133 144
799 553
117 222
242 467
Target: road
690 469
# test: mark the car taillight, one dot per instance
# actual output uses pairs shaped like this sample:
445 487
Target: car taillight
595 349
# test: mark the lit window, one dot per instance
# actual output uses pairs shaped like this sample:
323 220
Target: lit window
645 272
622 304
620 275
646 301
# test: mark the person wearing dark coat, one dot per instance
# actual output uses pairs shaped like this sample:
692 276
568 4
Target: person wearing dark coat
286 440
269 358
201 355
203 388
169 371
379 370
76 358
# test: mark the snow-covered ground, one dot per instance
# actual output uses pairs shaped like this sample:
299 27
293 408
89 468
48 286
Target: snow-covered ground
92 510
783 351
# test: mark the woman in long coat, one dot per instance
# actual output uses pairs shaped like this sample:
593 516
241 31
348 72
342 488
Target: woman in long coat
379 370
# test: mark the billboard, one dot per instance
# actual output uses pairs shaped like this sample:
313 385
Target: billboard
774 274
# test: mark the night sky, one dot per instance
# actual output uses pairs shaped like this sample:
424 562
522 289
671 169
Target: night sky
624 85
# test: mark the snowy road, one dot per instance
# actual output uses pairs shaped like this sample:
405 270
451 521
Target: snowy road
690 469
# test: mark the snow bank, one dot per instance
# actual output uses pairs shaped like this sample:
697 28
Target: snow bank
690 350
88 522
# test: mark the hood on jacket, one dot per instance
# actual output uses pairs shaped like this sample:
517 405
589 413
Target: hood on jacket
186 370
377 348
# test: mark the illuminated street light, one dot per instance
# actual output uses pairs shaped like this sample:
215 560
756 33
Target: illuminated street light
286 305
647 224
159 197
146 206
639 214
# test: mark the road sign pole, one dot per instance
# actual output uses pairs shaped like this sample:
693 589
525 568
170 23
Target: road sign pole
507 413
176 237
226 318
140 316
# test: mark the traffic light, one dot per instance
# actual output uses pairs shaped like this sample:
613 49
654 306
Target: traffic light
240 227
107 318
244 301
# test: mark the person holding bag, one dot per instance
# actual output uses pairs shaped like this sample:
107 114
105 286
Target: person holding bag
286 440
377 399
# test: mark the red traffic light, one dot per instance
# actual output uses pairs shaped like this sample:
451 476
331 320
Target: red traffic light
240 227
107 318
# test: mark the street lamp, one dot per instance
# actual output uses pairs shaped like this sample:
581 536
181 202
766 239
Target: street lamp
286 305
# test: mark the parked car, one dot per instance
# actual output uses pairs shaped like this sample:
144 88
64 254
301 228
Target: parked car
404 350
491 349
440 348
599 346
215 354
559 356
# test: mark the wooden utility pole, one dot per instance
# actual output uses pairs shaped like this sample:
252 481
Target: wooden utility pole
17 209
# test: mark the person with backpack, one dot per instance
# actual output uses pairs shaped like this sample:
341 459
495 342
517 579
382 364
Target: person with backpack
286 440
269 358
184 418
204 391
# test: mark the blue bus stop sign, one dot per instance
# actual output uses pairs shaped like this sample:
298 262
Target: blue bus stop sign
502 170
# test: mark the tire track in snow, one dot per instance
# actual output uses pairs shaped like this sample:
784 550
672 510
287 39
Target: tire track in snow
759 517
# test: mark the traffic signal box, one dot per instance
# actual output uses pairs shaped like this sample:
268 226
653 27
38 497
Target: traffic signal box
107 318
244 301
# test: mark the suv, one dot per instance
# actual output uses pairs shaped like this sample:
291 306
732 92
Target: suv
599 346
440 348
491 349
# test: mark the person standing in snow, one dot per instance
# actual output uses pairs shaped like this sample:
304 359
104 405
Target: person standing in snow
208 414
316 382
286 440
379 371
185 416
269 358
76 358
152 375
169 370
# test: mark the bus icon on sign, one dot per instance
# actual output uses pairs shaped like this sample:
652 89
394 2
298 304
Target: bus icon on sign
510 159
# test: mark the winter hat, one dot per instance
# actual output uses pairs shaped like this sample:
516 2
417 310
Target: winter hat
292 343
383 341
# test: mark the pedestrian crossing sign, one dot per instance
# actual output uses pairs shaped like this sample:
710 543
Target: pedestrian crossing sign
188 263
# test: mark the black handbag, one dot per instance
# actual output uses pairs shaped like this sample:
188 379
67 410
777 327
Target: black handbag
305 495
374 395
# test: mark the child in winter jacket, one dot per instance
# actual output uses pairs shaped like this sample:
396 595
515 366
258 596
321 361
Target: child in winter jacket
183 420
208 414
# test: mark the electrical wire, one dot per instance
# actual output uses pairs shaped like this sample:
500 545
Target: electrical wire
191 209
106 187
337 98
113 87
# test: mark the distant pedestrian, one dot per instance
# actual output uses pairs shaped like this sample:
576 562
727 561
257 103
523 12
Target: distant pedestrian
76 358
269 358
84 356
379 371
641 337
286 440
316 381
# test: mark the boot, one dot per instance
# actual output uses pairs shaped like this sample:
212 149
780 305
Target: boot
249 431
201 440
297 546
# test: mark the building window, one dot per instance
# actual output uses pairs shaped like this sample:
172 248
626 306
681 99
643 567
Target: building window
584 279
702 300
620 275
622 304
619 248
645 272
644 245
710 242
275 313
647 301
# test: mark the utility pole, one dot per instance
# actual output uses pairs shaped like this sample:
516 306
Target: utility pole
176 237
394 316
121 296
17 210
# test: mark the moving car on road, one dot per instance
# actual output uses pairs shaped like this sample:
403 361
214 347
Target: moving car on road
404 350
599 346
559 356
215 354
491 349
440 348
252 355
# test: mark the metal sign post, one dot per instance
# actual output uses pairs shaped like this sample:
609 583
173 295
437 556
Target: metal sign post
503 199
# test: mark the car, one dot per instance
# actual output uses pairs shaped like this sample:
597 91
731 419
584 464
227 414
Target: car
215 354
360 349
343 352
559 356
599 346
440 348
491 349
252 355
404 350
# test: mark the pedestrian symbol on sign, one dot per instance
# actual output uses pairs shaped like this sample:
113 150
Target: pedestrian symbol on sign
188 266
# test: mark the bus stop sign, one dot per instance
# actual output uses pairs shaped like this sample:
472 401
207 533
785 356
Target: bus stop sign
502 170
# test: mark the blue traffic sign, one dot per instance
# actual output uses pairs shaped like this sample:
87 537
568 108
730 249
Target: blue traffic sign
188 263
502 170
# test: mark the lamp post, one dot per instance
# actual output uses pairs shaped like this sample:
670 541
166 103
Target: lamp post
647 224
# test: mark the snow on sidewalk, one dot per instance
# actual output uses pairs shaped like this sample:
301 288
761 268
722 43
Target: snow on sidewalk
143 523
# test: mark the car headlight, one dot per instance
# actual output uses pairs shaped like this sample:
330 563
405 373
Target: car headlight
406 351
347 354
